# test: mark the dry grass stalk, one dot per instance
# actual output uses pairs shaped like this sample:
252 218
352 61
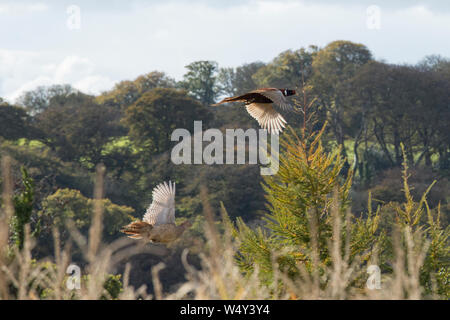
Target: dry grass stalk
219 277
5 215
313 217
95 231
47 278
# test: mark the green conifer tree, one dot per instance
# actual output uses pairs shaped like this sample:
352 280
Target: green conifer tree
298 228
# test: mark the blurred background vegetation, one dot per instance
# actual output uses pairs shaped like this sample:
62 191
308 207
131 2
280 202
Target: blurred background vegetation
57 135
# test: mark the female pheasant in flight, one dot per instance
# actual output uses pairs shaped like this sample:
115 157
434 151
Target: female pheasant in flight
260 104
158 224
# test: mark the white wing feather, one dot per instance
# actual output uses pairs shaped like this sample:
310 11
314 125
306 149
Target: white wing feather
162 209
267 117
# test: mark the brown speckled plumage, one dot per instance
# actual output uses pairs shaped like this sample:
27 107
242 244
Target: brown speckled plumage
158 224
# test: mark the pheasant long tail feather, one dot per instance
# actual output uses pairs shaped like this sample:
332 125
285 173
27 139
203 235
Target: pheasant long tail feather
137 230
241 98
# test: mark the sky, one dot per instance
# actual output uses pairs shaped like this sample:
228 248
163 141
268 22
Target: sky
94 44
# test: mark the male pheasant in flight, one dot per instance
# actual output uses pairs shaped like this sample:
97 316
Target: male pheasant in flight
158 224
260 104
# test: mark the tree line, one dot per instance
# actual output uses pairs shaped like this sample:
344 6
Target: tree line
59 134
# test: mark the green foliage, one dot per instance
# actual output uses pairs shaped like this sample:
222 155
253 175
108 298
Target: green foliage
383 93
302 221
238 187
226 79
47 170
125 93
435 272
14 122
23 207
39 99
200 81
236 81
67 204
435 63
289 69
153 118
113 286
332 67
79 132
299 221
429 237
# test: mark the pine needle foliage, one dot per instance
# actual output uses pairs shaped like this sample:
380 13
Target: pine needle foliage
299 223
418 232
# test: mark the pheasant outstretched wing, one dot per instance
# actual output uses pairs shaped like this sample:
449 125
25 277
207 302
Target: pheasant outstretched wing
276 96
162 209
267 117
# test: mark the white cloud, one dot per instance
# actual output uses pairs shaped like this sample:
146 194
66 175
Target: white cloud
30 85
73 68
94 84
22 8
22 71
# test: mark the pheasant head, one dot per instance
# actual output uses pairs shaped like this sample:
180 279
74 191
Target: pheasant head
287 92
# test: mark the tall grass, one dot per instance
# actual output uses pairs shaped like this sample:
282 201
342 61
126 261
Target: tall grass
22 277
220 277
